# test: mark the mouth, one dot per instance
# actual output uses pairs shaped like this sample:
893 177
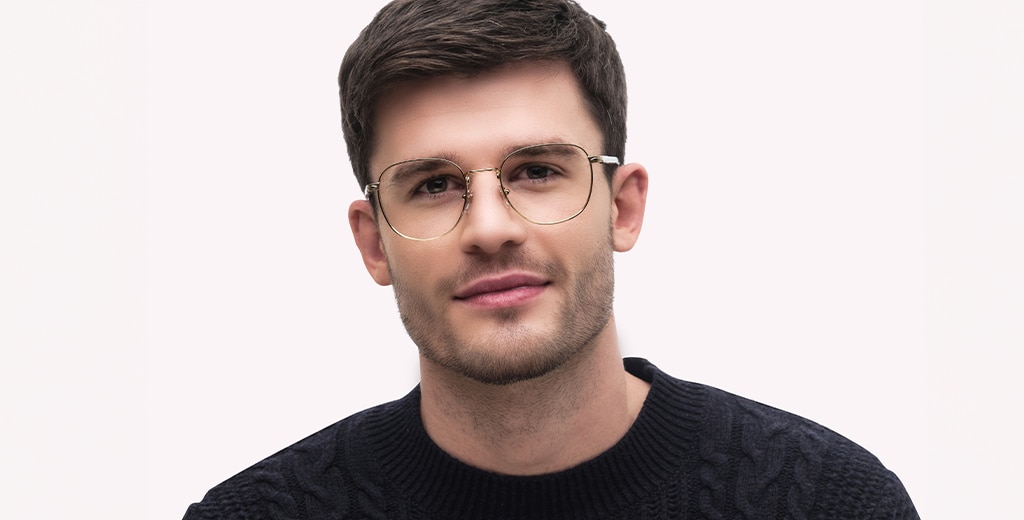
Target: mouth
502 291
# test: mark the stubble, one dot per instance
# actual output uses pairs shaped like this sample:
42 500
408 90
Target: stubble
514 350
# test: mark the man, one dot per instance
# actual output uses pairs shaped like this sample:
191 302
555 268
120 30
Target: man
488 137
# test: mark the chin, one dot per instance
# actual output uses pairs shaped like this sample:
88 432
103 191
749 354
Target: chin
512 356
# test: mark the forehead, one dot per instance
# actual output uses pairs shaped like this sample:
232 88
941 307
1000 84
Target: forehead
479 117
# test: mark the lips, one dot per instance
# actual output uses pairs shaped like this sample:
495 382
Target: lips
502 290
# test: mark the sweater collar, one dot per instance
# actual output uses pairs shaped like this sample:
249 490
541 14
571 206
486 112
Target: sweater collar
648 455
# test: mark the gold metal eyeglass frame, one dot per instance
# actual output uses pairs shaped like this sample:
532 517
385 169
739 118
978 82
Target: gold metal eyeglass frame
373 188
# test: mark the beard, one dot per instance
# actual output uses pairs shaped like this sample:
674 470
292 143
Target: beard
513 350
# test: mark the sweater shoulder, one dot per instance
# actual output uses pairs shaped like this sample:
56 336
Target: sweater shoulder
814 470
729 418
754 424
752 451
301 480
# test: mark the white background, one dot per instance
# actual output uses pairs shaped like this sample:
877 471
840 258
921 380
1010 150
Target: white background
834 228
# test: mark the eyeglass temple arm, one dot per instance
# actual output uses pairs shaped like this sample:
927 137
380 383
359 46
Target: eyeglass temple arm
598 159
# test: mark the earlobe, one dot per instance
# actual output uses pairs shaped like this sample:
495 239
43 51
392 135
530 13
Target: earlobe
368 240
629 192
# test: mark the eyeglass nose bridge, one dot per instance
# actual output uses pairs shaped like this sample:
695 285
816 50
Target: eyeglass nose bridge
468 196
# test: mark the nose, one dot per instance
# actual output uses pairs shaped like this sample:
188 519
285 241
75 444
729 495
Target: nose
490 223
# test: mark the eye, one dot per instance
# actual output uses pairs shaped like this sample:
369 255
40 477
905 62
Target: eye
534 174
435 185
537 171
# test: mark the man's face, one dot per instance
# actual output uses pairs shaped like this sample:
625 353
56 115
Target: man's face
498 299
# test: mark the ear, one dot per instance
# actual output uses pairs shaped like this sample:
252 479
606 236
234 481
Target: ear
629 200
368 240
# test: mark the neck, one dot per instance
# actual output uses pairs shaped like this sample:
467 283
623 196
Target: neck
538 426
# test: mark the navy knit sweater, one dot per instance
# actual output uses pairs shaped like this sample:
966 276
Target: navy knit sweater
693 452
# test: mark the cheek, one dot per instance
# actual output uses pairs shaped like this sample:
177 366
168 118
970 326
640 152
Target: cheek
597 218
586 233
413 265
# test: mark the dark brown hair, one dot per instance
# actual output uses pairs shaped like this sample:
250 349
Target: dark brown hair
420 39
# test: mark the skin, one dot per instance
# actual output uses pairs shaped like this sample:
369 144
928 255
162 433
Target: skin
521 371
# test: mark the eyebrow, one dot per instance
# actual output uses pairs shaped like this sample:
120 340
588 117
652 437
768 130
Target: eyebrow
503 151
407 169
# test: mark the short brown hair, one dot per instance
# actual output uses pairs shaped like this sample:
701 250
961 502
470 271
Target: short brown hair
420 39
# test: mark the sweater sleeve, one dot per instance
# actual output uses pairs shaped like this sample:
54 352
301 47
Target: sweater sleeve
313 478
859 487
232 500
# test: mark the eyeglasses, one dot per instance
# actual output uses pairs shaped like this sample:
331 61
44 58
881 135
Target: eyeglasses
424 199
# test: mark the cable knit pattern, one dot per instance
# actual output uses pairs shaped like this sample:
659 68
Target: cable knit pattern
694 452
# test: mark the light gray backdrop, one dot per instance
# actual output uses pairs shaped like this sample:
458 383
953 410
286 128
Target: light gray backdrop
833 228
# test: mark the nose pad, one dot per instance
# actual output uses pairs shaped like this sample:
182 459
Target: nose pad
502 189
468 196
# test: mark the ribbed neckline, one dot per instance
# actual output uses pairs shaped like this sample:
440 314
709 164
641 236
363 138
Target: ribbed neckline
650 453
